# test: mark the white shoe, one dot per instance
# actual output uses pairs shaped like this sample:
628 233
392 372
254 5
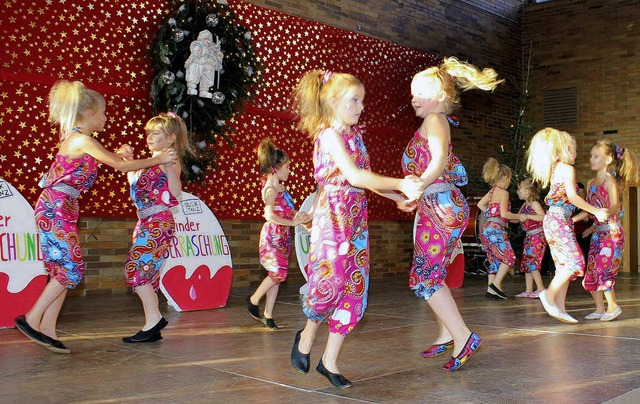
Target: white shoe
594 316
609 317
566 318
548 307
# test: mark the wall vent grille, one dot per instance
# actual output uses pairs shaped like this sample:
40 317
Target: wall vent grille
561 107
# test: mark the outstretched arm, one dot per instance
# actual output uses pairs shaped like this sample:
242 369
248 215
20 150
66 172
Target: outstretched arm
82 144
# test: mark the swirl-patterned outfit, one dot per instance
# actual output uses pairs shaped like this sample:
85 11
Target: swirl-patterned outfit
275 239
607 243
534 242
338 270
495 238
441 217
155 228
56 215
558 229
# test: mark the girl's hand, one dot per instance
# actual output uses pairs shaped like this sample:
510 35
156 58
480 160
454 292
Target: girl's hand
523 218
412 187
407 206
125 152
601 214
168 156
588 231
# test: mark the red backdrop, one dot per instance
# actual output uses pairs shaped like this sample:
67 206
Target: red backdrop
104 45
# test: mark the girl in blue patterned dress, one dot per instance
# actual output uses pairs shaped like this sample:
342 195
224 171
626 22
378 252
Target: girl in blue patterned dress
154 190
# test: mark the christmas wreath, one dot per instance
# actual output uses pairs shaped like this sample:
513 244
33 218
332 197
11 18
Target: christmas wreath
204 68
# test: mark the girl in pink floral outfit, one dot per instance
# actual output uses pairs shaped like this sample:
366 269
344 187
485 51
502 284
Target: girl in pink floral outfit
329 106
154 190
550 160
534 244
79 111
615 168
275 236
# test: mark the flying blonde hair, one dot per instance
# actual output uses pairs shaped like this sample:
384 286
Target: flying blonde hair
430 83
67 100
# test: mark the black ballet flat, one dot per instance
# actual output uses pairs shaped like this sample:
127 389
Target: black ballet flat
497 291
299 360
35 336
149 335
58 347
335 378
254 310
269 323
154 338
491 296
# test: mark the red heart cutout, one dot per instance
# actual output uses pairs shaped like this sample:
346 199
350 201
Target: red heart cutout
199 292
17 304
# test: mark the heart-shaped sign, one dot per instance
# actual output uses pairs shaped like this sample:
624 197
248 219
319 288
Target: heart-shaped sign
197 273
200 291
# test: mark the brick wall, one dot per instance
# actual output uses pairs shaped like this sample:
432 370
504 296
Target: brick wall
483 32
593 46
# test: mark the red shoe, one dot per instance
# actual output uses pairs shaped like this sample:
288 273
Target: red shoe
437 349
470 348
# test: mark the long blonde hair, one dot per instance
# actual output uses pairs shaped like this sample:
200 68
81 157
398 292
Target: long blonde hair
171 124
547 147
623 165
430 83
493 171
67 100
313 95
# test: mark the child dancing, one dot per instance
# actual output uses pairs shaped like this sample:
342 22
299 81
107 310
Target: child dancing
550 160
495 238
275 236
615 167
534 244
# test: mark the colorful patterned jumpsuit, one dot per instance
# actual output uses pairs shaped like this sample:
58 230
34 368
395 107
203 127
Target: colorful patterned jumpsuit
275 239
154 230
56 215
442 216
495 238
558 229
338 270
534 243
607 243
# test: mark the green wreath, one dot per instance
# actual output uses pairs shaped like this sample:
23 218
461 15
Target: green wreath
206 118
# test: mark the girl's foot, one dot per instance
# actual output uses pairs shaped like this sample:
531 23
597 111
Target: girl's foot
534 295
594 316
611 316
524 294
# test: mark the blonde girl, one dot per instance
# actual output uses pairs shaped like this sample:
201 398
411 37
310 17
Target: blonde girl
79 112
550 160
442 211
535 244
329 106
495 236
154 191
615 167
275 236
